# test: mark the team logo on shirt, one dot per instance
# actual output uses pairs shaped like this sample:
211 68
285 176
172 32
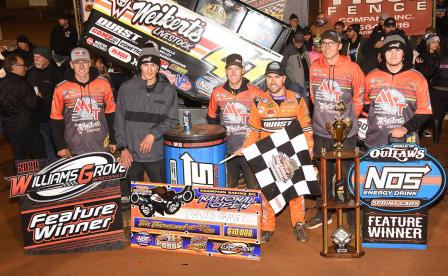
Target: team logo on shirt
86 112
390 101
330 90
236 113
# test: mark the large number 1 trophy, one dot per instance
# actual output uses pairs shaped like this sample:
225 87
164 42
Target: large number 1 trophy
341 238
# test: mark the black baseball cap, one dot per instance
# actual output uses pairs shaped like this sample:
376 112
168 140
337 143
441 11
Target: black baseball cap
234 59
331 35
390 22
275 67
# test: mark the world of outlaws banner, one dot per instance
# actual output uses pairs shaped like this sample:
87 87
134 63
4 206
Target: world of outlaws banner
192 47
195 219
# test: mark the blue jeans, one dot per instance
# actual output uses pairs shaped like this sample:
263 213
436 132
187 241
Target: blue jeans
45 130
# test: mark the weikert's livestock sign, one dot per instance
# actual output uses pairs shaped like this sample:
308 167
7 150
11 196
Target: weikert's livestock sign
412 16
193 48
398 183
70 205
196 219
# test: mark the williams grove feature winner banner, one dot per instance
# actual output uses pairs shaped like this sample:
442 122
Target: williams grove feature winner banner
398 184
412 16
193 48
196 219
70 205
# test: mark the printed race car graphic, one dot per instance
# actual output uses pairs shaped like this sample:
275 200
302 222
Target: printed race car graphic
162 200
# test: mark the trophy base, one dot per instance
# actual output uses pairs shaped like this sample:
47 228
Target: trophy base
333 253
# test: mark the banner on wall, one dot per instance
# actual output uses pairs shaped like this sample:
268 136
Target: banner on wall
193 48
413 17
398 184
70 205
196 219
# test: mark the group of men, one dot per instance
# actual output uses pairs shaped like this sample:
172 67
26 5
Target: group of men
394 96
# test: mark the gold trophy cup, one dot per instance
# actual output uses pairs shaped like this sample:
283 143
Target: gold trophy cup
339 128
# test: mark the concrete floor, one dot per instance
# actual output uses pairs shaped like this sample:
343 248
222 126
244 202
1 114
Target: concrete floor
283 255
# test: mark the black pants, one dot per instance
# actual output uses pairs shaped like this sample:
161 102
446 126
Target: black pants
439 104
154 170
327 143
237 165
26 141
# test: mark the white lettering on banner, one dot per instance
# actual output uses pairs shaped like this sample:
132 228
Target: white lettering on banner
395 227
212 216
374 6
396 178
196 173
165 16
117 29
400 154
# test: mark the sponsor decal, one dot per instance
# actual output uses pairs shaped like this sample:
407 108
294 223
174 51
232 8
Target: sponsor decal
275 123
143 238
236 113
129 47
118 30
89 40
67 178
104 35
230 248
329 90
390 101
230 202
178 80
196 173
181 32
119 54
169 241
283 167
198 244
177 226
206 84
239 232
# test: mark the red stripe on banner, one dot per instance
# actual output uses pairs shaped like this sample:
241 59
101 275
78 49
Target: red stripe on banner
74 239
89 242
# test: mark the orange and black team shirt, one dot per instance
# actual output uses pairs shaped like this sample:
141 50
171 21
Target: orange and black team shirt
83 110
394 100
331 84
267 117
233 111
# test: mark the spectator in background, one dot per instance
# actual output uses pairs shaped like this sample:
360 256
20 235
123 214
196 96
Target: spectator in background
427 62
308 37
316 52
99 64
380 27
339 27
63 37
44 76
83 109
295 26
353 46
320 25
19 104
442 17
296 59
24 50
373 45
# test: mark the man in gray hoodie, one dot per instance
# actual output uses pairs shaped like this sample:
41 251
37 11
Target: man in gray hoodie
146 109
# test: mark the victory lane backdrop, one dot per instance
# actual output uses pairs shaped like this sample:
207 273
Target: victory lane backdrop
192 47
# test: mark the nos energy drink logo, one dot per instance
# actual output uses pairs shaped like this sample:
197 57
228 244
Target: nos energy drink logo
399 178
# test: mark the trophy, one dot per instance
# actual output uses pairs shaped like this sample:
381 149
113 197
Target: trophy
341 239
339 128
340 192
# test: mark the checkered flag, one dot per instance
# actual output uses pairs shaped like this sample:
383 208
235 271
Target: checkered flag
283 167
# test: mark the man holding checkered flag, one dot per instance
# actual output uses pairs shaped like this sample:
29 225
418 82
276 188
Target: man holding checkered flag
281 161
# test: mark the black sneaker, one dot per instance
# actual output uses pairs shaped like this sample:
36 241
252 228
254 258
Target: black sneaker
316 222
300 233
265 236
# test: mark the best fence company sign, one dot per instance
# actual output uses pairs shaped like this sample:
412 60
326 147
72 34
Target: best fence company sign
398 184
192 47
70 205
412 16
196 219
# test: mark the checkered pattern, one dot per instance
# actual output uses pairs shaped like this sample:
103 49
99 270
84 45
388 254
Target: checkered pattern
292 142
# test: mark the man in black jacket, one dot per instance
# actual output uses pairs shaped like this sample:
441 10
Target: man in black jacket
19 105
63 37
44 76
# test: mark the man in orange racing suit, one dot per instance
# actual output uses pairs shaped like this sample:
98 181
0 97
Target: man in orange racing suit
272 111
230 106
